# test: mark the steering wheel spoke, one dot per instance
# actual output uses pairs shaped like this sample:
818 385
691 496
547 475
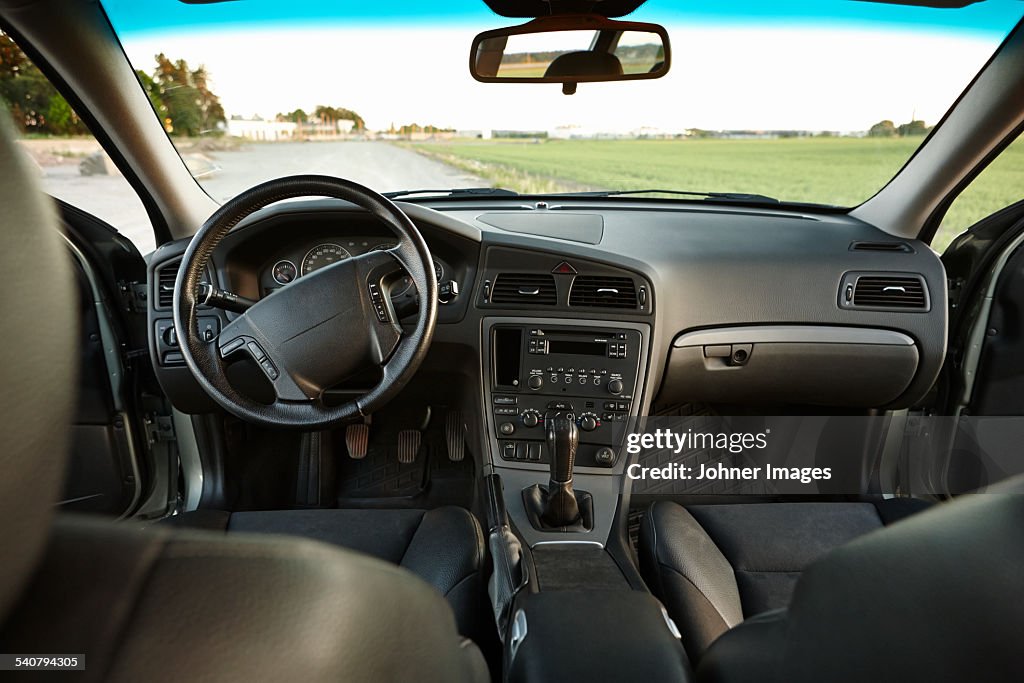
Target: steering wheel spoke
242 337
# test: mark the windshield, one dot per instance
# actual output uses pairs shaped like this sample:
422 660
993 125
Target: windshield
818 102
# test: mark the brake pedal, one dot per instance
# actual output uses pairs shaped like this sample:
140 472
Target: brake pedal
408 445
454 435
357 440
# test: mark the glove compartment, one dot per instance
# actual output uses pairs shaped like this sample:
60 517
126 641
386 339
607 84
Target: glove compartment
793 364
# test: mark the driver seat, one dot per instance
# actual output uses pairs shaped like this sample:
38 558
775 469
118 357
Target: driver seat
443 546
151 604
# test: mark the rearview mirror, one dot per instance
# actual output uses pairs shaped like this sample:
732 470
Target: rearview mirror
571 49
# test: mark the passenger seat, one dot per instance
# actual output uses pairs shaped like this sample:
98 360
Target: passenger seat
713 566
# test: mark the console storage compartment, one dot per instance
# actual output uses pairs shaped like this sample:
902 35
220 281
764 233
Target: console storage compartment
795 364
592 635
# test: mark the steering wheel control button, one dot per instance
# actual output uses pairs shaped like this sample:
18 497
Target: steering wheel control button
269 368
256 351
231 347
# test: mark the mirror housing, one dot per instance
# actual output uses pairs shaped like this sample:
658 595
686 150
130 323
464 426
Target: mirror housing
571 49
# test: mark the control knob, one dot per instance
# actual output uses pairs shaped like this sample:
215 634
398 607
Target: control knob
615 387
535 382
589 422
531 418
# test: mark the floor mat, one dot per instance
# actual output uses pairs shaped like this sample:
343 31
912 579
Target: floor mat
431 480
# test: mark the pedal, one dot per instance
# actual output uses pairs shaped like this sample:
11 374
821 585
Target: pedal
357 440
455 436
408 445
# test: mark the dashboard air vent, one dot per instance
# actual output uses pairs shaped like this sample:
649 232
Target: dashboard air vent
880 246
603 291
165 278
896 291
535 289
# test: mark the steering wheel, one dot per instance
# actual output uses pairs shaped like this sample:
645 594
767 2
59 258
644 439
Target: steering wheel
321 328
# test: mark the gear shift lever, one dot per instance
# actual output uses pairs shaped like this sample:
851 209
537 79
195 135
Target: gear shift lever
563 437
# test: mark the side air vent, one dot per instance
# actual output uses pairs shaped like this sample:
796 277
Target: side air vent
532 289
892 292
601 291
881 246
165 278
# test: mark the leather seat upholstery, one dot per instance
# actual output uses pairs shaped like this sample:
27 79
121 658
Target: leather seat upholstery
161 604
713 566
444 546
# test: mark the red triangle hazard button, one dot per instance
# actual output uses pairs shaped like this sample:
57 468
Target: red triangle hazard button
564 268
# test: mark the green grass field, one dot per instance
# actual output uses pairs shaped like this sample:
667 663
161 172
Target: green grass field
840 171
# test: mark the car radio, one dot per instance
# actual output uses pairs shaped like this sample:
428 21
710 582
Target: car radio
586 373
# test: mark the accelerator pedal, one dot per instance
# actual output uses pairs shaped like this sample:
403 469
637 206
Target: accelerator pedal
455 435
357 440
408 445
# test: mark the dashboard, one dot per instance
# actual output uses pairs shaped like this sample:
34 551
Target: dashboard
733 305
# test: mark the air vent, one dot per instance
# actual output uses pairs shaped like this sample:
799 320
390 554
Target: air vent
881 246
882 291
534 289
599 291
165 278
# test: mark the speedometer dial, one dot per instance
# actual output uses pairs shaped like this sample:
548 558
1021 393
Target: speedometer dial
323 255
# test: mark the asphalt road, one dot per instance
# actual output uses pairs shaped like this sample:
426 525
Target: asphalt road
378 165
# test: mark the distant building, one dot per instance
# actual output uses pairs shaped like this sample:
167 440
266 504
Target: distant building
259 129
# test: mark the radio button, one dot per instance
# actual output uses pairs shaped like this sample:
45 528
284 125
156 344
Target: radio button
535 382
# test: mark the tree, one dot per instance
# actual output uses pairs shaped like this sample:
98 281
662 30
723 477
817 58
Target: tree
34 103
329 114
915 127
184 97
883 129
298 116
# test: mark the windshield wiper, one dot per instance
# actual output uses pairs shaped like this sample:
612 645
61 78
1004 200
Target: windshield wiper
730 196
456 192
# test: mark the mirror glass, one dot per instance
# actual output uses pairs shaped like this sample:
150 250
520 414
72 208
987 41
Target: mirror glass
586 55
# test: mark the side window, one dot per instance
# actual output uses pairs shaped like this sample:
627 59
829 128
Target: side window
72 165
996 187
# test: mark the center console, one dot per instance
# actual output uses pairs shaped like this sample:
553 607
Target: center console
540 370
558 396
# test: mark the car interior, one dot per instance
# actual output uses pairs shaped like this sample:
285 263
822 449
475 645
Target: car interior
325 430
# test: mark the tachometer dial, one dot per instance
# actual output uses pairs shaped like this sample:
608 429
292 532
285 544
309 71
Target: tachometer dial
323 255
284 272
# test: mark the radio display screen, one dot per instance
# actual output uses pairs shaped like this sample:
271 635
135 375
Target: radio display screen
577 348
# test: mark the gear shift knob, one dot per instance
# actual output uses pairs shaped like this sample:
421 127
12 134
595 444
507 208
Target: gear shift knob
560 506
563 439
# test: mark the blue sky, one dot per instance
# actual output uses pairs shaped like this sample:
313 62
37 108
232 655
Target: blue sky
133 17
